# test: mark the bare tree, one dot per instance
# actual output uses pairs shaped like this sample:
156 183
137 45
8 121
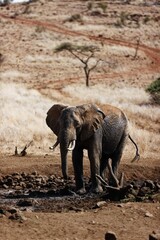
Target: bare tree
136 49
84 54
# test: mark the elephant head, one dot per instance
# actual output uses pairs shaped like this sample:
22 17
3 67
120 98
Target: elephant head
73 125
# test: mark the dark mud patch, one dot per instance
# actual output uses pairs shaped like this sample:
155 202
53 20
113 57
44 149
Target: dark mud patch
37 192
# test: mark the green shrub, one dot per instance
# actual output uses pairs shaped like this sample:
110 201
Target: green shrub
154 90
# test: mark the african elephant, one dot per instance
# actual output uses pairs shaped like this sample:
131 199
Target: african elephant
87 127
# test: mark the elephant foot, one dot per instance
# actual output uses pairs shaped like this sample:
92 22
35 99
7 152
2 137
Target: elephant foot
81 191
97 189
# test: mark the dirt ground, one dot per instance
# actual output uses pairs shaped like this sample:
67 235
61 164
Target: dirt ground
76 218
28 34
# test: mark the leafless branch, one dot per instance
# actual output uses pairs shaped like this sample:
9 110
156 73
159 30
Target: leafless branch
23 152
137 47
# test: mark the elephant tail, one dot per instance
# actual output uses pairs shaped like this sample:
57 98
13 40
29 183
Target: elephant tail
137 156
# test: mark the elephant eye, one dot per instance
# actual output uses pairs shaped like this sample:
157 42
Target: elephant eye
77 123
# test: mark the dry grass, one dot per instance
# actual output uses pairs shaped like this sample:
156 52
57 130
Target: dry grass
23 113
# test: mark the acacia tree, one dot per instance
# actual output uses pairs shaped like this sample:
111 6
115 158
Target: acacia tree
84 54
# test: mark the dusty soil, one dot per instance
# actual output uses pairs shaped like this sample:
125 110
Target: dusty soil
56 212
29 33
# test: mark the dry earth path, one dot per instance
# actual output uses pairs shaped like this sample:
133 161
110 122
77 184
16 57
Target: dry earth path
152 53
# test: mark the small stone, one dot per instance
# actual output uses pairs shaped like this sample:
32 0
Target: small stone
150 184
17 216
148 214
9 181
23 185
2 211
120 205
18 188
156 197
24 203
34 173
12 210
100 204
110 236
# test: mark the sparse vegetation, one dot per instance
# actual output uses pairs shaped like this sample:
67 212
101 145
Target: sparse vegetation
123 18
146 19
154 90
90 5
103 6
39 29
74 18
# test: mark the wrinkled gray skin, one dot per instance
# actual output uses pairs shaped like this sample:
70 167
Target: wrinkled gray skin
103 135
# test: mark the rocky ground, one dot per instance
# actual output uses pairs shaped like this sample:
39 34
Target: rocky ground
40 204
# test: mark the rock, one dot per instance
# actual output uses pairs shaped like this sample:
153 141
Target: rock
156 197
5 186
18 188
110 236
23 185
121 205
17 216
150 184
34 173
12 210
143 191
24 203
100 204
2 211
154 236
29 185
148 214
76 209
9 181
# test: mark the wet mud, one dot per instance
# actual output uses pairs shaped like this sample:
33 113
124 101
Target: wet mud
37 192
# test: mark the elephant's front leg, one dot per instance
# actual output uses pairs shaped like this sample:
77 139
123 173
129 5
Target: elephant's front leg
77 158
94 157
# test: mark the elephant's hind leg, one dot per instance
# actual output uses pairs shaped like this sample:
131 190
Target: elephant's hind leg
103 166
116 157
94 158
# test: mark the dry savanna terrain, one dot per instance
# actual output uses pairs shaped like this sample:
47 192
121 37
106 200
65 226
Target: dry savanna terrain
125 36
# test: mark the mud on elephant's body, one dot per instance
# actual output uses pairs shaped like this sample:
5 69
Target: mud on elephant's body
87 127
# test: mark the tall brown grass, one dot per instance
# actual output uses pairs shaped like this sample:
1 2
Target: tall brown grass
23 113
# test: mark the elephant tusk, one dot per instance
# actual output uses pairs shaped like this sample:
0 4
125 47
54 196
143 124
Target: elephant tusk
71 145
54 146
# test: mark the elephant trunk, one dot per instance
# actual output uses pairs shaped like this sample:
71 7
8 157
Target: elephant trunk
67 143
64 161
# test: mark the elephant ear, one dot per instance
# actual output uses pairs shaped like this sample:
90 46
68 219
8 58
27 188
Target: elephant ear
92 120
52 118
